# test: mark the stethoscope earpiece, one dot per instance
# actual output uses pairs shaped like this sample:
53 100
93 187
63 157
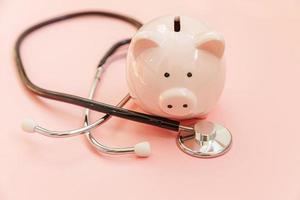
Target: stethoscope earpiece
29 125
142 149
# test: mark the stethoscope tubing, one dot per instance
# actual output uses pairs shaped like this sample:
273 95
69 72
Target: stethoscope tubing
191 139
80 101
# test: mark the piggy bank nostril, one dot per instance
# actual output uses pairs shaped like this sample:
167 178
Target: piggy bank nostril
185 105
170 106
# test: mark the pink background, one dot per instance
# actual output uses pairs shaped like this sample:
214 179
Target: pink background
260 105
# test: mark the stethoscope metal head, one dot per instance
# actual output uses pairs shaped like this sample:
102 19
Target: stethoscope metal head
204 140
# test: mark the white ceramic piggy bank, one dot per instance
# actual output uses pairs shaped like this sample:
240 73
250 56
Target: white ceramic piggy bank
175 67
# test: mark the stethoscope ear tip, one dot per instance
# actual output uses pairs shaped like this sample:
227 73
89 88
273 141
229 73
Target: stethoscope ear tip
142 149
29 125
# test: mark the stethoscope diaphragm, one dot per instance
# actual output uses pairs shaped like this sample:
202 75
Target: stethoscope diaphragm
207 140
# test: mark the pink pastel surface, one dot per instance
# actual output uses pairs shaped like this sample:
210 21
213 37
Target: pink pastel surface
260 105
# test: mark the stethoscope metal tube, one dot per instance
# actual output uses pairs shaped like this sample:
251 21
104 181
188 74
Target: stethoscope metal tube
99 146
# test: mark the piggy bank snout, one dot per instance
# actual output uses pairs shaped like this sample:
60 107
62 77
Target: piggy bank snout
177 102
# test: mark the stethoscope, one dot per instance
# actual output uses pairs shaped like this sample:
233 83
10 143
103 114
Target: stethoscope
200 139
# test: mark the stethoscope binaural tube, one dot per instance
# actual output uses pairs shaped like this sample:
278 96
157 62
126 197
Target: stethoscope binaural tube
84 102
141 149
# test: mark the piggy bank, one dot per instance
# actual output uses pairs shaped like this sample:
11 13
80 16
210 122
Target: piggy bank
175 67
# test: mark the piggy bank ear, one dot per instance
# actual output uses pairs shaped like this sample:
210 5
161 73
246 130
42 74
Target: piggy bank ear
211 42
144 41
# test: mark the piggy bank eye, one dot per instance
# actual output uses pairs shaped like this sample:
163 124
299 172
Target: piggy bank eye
189 74
166 74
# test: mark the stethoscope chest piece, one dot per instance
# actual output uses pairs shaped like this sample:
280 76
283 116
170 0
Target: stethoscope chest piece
207 141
